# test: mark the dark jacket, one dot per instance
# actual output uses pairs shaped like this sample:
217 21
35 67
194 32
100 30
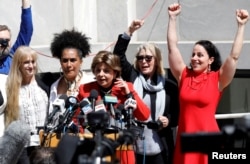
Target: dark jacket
42 85
171 88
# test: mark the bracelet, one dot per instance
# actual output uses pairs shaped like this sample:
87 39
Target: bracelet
129 95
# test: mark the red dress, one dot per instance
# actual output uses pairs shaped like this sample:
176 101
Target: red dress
199 97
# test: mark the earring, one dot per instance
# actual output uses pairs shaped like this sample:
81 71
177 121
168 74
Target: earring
209 68
61 71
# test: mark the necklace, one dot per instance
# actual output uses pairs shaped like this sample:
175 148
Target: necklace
73 86
106 92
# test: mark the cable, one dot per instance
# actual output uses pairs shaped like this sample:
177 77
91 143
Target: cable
155 20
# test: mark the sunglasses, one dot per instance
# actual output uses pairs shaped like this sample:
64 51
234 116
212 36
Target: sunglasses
148 58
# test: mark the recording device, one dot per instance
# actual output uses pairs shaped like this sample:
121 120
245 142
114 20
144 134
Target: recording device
119 112
98 120
110 100
65 119
207 142
58 106
13 142
93 97
155 125
4 43
71 149
100 106
130 100
4 51
85 106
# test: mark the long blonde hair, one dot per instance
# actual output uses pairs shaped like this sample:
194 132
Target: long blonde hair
14 82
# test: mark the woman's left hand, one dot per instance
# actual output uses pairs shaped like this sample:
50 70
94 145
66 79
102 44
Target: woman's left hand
123 85
242 16
164 120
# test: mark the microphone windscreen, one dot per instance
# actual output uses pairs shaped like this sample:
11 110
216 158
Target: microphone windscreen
85 106
93 94
70 102
100 106
13 142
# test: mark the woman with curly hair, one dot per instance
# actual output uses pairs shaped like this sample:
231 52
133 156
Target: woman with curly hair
70 47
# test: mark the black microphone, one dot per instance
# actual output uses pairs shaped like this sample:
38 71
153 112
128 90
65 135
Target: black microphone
85 106
130 115
13 141
58 106
99 119
93 97
111 100
119 113
70 105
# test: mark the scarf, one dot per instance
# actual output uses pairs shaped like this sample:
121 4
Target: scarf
140 84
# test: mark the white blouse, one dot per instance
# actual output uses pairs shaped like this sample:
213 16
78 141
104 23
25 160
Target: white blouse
33 104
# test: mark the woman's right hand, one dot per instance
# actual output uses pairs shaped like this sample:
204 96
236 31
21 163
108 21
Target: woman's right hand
135 25
174 9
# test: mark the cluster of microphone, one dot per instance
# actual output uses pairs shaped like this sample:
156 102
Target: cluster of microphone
92 112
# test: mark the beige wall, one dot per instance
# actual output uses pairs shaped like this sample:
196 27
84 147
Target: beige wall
103 20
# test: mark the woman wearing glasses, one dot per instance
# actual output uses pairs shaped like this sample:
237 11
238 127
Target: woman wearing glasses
158 93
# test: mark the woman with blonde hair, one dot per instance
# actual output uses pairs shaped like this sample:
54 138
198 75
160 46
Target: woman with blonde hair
27 96
160 94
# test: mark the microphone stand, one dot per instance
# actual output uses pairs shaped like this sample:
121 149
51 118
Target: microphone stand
98 151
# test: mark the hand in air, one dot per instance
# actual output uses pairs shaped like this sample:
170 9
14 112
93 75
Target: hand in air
242 16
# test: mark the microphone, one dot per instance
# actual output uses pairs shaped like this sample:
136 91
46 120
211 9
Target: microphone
13 142
110 100
93 97
100 106
130 102
58 106
85 106
70 105
119 112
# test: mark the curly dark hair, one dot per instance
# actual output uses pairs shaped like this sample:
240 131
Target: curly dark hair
70 39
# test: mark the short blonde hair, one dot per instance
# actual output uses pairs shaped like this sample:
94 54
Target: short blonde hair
157 55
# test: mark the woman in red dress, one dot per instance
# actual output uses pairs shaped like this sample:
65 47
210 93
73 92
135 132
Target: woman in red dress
202 84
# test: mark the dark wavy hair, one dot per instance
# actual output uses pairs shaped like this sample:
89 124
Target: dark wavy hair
70 39
212 52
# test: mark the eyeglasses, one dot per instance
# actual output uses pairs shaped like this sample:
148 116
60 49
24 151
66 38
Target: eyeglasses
4 42
148 58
